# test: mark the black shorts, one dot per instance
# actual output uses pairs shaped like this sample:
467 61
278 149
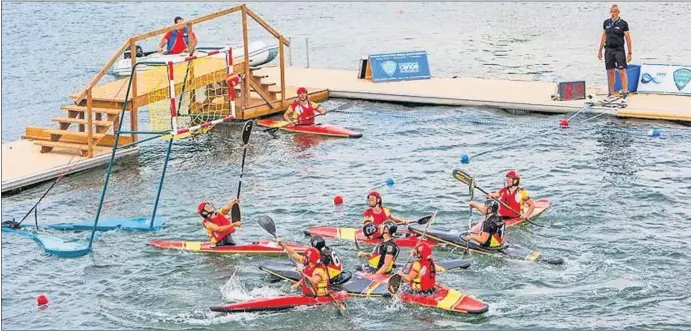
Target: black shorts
226 241
615 58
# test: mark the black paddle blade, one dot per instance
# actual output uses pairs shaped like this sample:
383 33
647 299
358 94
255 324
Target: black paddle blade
235 214
357 246
463 177
267 224
247 131
424 220
394 284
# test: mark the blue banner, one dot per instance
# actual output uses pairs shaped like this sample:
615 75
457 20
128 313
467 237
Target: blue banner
399 66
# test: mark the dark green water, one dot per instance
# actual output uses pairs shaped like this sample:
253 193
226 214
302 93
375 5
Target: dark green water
620 215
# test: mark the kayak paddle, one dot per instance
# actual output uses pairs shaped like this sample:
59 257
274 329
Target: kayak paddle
395 280
422 221
273 130
465 178
235 214
268 224
470 213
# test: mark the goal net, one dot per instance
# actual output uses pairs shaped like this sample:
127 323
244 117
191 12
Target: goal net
190 95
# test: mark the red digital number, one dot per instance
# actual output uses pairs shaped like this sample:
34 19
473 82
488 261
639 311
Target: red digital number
569 91
579 90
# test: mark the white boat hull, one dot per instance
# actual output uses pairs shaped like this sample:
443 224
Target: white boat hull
260 53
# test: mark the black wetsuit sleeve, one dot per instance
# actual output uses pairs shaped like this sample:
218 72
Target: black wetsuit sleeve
489 226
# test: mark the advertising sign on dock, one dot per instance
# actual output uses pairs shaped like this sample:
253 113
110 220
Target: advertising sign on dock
399 66
665 79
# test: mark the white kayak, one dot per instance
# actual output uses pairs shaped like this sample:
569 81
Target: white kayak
259 53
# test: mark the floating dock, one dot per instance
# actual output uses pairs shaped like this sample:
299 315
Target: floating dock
45 153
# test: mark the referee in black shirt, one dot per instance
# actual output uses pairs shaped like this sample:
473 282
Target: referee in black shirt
615 31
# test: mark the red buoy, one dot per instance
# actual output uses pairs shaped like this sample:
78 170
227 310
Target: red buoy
42 300
338 200
564 123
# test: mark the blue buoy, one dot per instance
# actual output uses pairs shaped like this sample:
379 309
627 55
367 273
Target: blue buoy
654 132
465 159
390 181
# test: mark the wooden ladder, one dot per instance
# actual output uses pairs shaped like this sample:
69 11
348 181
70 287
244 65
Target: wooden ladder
91 129
259 89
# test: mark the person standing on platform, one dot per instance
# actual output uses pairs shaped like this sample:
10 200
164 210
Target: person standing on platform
615 32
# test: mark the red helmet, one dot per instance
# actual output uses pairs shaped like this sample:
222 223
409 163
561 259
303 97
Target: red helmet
513 174
201 206
312 255
302 90
375 194
423 250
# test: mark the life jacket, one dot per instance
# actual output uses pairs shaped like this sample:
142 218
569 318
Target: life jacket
377 218
174 37
514 200
388 247
495 239
304 115
322 287
426 276
332 262
220 220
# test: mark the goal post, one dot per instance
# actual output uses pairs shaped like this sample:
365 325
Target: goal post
190 95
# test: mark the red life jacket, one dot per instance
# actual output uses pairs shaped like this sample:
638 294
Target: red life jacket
426 278
305 115
220 220
514 200
377 218
322 287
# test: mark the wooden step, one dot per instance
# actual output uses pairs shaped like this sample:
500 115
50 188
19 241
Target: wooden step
81 109
81 121
74 133
47 146
255 68
268 84
260 76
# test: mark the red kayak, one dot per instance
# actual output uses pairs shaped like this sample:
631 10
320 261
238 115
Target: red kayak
263 247
321 129
541 206
402 238
442 298
280 303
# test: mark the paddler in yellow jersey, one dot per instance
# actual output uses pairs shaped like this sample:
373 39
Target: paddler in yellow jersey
382 259
312 269
217 224
422 276
492 234
330 259
302 111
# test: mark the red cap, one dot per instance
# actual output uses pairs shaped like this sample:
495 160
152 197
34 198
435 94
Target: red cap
374 193
312 255
302 90
200 206
424 250
513 174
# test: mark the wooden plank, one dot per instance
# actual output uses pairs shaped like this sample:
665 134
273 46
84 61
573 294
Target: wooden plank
82 109
134 119
90 126
266 26
260 90
62 119
281 54
61 144
192 21
38 133
246 56
103 70
73 133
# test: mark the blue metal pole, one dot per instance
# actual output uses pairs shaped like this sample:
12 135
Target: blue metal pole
160 184
112 158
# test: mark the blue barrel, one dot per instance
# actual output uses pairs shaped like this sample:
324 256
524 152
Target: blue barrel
633 73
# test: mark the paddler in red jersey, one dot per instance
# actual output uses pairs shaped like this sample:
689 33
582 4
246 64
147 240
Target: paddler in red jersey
383 257
513 196
217 224
330 259
492 233
302 111
312 269
377 214
422 276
